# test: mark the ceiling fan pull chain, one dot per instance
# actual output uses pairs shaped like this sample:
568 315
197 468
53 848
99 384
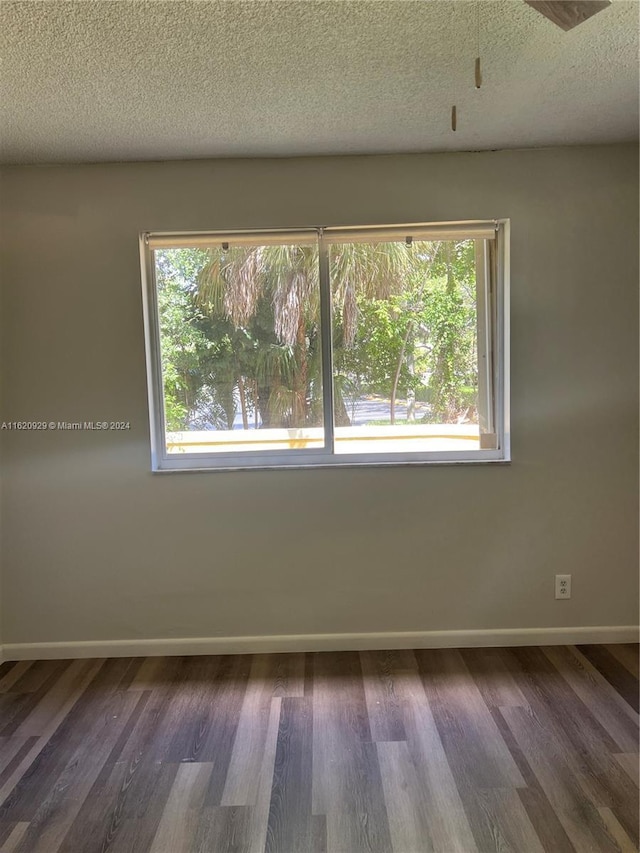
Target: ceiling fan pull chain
478 70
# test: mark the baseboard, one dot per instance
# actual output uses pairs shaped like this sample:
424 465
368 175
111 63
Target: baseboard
321 642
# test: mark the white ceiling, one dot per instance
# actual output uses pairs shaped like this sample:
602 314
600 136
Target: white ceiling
97 80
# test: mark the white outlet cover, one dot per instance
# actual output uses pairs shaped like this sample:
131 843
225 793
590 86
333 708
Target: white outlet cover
563 586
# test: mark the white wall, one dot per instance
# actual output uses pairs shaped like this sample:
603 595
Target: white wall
98 548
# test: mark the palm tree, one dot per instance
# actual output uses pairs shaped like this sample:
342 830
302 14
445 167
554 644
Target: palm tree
273 293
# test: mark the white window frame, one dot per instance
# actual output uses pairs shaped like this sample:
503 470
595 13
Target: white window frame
492 266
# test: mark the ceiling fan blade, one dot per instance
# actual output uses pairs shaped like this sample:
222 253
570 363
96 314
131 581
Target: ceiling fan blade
568 13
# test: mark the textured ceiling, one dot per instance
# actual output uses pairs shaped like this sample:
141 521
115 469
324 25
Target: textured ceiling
134 80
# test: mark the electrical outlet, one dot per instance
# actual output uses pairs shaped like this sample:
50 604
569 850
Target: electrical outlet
563 586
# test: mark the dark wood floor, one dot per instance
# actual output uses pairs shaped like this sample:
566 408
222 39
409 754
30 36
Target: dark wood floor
523 750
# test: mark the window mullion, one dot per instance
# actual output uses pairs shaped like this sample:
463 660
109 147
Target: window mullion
326 345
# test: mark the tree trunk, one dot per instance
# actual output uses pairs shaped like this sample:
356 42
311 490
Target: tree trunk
255 404
442 404
341 415
300 378
396 378
411 406
411 394
228 403
264 393
243 402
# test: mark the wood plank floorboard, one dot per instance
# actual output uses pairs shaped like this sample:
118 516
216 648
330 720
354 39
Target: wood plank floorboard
621 678
524 750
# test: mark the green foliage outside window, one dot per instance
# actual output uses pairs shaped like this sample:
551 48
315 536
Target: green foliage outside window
240 333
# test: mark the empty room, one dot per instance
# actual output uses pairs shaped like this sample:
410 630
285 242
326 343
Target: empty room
319 426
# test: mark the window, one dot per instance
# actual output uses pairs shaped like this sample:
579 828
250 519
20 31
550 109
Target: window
328 346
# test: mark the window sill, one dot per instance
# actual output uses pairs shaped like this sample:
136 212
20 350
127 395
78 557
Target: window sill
338 463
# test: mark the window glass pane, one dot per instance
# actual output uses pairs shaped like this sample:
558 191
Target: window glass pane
405 346
240 348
